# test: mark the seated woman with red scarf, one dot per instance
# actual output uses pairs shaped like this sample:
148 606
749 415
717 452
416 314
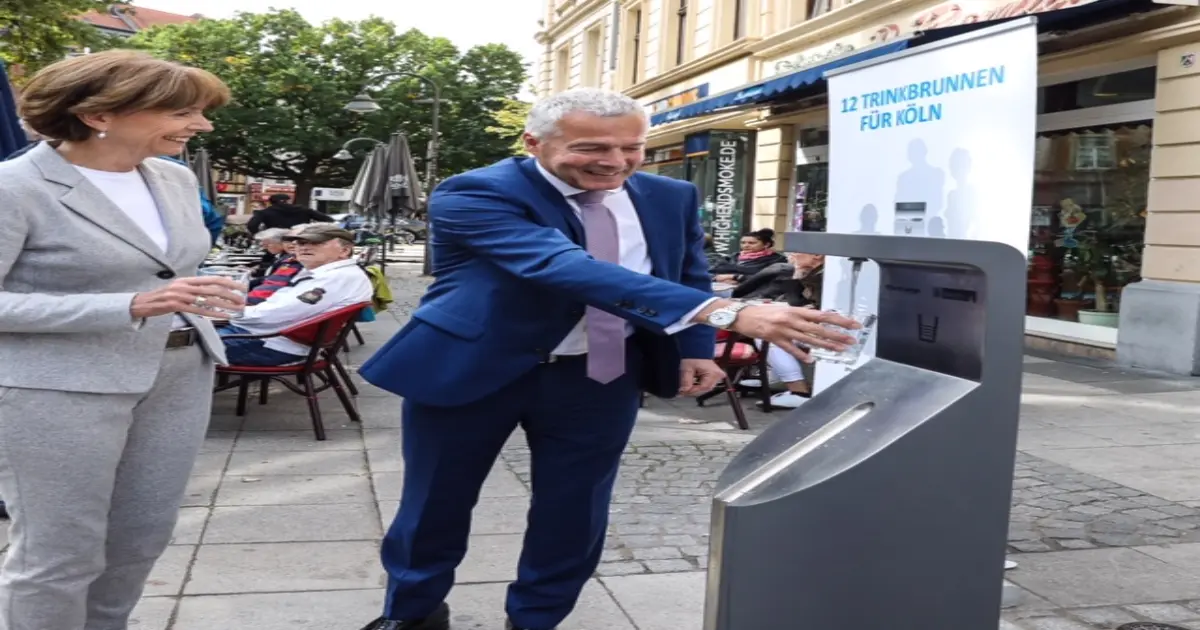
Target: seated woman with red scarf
757 254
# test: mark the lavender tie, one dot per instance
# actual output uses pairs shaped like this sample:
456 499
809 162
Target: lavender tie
605 332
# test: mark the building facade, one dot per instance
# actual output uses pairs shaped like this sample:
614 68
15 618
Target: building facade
737 106
127 21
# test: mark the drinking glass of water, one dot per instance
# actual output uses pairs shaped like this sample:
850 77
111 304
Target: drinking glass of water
240 276
860 335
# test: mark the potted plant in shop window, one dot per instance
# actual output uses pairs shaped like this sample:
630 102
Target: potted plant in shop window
1106 258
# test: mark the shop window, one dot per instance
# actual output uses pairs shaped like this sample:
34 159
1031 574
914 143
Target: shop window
810 198
1089 220
1108 89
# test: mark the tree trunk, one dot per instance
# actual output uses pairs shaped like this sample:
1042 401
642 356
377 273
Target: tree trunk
304 188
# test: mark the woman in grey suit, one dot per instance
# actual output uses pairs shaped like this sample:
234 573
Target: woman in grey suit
106 360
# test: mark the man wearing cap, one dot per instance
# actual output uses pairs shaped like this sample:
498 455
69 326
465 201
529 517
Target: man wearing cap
330 280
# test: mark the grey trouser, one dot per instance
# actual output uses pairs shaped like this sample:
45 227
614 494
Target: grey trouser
93 483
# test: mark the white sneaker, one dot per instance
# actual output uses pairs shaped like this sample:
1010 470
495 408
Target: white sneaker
787 400
750 382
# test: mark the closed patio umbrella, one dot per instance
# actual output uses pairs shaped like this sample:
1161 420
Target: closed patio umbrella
401 190
202 167
359 192
375 185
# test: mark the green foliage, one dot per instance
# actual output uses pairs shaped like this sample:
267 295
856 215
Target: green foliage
291 80
36 33
510 123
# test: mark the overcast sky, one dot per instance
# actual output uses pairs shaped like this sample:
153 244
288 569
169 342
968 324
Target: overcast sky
464 22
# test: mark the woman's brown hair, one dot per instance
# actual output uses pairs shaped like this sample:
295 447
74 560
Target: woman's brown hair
117 82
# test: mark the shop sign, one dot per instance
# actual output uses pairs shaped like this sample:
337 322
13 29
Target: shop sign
808 59
680 99
953 14
726 209
940 16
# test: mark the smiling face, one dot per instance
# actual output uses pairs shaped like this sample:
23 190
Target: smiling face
592 152
150 133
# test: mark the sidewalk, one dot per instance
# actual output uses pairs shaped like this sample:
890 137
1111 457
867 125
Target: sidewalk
279 531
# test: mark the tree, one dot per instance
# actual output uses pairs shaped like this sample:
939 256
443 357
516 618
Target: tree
291 79
36 33
510 123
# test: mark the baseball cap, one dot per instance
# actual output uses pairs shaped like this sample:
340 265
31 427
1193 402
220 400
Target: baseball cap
319 233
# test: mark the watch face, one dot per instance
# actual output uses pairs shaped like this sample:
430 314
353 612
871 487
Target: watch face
722 318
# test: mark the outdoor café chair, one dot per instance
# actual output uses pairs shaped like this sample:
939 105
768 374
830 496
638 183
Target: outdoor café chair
324 335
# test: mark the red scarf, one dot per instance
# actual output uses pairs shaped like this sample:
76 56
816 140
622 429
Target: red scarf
744 256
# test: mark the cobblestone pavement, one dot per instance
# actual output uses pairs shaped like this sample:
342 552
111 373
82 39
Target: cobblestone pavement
281 532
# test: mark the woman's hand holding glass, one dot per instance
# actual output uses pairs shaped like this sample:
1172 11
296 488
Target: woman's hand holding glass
208 296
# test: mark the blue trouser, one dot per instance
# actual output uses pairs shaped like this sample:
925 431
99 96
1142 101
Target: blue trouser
252 351
576 429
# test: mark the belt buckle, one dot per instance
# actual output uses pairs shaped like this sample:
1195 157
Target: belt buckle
181 338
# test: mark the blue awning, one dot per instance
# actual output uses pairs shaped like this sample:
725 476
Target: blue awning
772 88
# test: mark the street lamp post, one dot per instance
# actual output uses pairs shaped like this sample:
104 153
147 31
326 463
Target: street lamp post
345 154
363 103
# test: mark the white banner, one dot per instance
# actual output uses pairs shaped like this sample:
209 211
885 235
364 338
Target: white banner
935 141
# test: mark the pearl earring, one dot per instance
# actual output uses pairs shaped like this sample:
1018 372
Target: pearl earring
102 135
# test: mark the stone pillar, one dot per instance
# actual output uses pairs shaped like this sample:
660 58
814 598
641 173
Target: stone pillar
1160 316
774 159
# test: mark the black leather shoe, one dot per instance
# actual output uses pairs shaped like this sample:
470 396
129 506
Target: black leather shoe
509 626
439 620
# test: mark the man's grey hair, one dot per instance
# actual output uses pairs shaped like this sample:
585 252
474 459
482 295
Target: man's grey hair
545 115
271 234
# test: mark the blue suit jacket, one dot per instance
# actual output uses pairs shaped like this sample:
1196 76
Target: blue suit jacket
513 278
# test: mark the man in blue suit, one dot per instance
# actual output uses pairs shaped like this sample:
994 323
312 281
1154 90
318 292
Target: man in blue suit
566 285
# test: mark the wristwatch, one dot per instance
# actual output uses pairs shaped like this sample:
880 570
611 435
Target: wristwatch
725 316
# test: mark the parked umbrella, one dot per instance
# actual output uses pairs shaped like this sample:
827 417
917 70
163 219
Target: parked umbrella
401 191
202 167
359 192
374 185
12 136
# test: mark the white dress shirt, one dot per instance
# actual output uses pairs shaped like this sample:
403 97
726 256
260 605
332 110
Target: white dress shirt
129 192
309 294
634 255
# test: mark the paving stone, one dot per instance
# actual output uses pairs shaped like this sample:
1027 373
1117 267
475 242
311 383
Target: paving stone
481 607
285 567
1162 612
620 568
152 613
673 601
280 611
260 464
1105 617
294 490
169 572
292 523
188 527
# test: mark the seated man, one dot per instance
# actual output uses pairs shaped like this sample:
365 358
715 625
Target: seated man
281 268
330 280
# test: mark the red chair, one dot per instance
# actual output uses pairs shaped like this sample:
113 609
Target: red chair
324 335
736 354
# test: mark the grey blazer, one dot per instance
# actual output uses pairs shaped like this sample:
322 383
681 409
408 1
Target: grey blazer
70 264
